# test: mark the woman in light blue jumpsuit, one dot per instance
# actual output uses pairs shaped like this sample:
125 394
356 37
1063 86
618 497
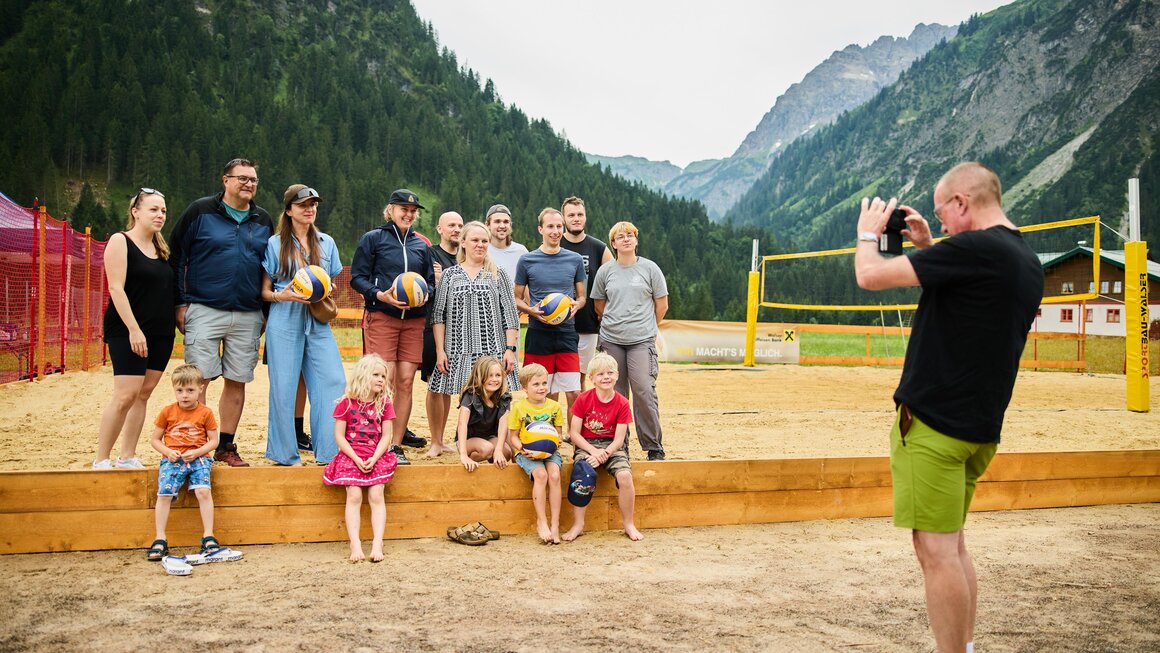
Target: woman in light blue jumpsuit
296 343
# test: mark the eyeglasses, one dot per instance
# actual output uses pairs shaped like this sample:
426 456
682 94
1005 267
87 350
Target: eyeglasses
244 180
304 194
939 207
628 235
144 191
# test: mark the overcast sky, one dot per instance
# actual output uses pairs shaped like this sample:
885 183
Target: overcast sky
680 80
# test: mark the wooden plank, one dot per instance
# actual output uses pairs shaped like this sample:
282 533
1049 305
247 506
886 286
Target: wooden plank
1072 464
75 490
1065 493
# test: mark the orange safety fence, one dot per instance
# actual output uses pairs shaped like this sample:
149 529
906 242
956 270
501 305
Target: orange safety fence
54 294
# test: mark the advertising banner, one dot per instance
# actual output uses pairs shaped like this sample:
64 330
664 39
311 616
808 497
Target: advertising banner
684 341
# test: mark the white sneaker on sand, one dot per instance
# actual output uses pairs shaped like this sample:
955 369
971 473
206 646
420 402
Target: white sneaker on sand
128 463
103 464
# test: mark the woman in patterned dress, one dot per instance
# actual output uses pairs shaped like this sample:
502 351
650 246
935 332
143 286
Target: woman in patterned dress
474 315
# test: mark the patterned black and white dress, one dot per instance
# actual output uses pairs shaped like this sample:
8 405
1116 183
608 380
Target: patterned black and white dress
475 313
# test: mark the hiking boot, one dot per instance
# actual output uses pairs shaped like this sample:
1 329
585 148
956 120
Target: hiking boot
656 454
412 440
228 454
400 455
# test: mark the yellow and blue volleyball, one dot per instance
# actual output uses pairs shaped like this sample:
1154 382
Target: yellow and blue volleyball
311 282
539 440
555 307
410 288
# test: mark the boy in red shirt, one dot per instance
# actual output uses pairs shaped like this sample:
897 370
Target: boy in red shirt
186 435
600 419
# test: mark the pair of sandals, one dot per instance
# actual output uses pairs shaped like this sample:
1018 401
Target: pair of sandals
160 548
211 551
473 534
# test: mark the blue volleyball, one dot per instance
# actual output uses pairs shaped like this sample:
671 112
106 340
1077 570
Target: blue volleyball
539 440
410 288
555 306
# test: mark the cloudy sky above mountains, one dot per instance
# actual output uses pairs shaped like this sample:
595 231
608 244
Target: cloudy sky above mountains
681 80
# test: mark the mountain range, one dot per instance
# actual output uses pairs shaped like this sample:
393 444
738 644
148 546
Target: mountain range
1060 97
848 78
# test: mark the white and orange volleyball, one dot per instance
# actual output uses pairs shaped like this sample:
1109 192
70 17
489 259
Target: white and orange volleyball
410 288
555 307
311 282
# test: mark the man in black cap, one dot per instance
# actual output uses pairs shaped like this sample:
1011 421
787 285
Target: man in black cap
502 249
391 328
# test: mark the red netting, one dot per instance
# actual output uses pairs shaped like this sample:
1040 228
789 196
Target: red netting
44 259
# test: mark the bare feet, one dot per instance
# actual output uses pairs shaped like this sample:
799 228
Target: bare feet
356 555
377 553
545 533
555 536
574 532
436 450
632 533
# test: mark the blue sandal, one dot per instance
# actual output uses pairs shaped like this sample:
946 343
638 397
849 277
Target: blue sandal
156 551
209 545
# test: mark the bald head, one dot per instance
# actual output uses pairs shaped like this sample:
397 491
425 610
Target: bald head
976 181
449 226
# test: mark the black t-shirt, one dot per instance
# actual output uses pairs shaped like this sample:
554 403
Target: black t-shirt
980 292
152 296
484 420
592 251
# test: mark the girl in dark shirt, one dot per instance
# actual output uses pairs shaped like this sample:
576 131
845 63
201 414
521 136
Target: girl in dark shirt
481 433
139 325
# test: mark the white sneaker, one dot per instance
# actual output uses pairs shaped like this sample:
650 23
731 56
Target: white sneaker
103 464
128 463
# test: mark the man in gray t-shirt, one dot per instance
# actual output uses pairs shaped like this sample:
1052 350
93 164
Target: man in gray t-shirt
501 249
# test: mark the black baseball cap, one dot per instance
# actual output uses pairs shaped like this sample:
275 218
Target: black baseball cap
406 198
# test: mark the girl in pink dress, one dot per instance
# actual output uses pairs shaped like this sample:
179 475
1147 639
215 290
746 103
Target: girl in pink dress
363 459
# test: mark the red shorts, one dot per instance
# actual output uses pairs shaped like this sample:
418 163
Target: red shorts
563 370
392 338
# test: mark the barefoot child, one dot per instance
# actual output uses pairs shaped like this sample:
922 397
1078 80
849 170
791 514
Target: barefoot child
545 474
185 435
363 459
600 419
483 414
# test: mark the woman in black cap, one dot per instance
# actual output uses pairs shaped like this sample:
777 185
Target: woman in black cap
298 345
392 328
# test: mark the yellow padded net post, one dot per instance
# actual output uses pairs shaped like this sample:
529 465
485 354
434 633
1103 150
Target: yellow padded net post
1136 327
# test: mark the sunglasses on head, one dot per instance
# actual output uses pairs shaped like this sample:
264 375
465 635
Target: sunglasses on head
145 191
304 194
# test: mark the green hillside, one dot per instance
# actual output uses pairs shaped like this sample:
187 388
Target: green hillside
354 97
1061 97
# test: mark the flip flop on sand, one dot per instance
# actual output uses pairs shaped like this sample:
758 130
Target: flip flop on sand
223 554
176 566
465 535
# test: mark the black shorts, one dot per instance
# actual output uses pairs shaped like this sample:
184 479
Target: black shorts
126 363
428 365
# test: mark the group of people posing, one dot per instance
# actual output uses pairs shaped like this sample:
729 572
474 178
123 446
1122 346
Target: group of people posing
225 276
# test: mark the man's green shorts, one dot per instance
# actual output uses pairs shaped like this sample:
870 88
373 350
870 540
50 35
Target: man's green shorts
934 477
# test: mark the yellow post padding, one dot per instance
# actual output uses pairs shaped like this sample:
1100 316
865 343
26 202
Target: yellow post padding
1136 324
751 318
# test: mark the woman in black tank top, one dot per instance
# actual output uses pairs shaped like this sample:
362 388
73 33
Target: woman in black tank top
139 325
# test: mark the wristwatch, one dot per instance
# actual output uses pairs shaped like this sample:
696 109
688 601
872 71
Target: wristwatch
510 347
868 236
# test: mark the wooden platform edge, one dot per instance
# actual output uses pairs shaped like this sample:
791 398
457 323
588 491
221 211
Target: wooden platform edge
82 510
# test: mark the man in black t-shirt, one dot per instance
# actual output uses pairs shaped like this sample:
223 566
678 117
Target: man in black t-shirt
595 253
444 254
980 291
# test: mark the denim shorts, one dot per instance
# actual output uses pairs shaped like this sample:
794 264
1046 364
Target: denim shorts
171 476
529 465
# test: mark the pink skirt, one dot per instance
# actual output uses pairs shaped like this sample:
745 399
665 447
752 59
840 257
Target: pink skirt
342 471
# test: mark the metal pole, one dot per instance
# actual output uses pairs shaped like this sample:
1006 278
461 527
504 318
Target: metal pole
1133 209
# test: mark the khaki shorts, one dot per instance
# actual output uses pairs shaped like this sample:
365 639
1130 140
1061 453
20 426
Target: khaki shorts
394 339
222 343
617 462
587 349
934 477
